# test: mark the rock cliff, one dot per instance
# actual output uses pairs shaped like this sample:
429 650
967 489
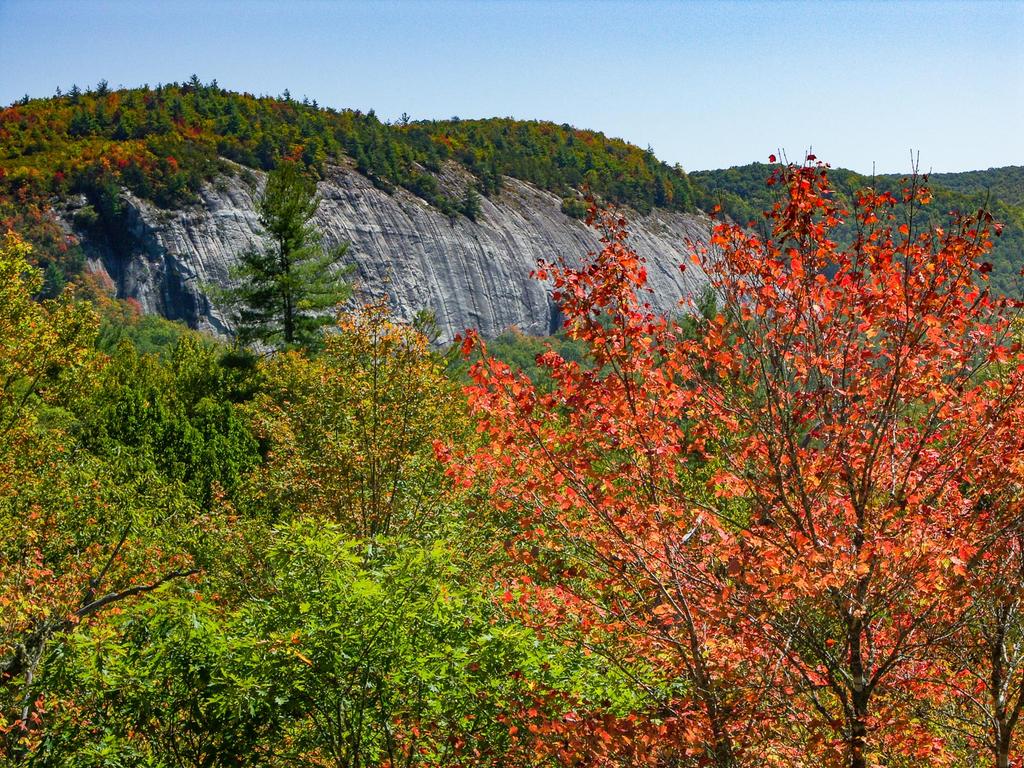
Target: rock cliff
470 274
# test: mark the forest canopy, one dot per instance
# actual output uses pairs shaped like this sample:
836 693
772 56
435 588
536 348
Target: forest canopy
784 530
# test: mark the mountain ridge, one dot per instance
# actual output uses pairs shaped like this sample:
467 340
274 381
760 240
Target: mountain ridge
128 183
742 194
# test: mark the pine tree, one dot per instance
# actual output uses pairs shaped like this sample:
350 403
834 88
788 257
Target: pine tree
283 292
53 282
470 204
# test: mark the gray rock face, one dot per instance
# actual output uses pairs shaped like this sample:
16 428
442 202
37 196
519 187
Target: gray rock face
470 274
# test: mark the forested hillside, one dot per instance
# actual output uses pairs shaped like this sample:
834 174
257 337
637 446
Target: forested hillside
163 143
1003 184
781 529
743 195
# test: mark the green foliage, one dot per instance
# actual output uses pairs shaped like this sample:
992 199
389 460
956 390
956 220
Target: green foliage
176 418
470 205
344 652
559 158
350 433
172 684
378 642
520 351
351 626
574 207
148 334
1003 184
743 196
283 292
318 640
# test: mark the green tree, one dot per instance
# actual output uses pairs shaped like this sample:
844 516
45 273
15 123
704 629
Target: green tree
283 291
174 417
470 204
349 434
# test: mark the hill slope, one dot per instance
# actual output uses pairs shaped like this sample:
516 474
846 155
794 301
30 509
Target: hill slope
742 193
154 187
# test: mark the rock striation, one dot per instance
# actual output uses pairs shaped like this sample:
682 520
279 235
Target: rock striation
470 274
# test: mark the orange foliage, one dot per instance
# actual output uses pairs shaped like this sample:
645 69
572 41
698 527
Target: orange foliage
785 510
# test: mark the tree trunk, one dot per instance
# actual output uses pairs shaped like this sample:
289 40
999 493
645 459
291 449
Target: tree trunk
858 697
288 326
1002 740
289 321
859 732
1003 755
723 754
997 691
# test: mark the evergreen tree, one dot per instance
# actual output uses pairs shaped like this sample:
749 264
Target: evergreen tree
283 292
53 282
82 123
470 204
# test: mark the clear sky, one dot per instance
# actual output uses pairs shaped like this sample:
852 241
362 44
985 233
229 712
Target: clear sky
706 84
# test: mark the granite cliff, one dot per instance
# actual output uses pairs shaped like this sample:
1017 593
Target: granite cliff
471 274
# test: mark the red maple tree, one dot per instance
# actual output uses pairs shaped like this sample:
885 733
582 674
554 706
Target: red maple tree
859 386
765 514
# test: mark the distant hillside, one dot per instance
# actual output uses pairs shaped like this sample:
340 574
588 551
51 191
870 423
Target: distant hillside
742 193
167 146
1003 184
164 143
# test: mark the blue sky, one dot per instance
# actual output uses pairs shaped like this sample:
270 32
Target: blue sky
706 84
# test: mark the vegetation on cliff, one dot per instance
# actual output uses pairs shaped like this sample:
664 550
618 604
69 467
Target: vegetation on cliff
163 143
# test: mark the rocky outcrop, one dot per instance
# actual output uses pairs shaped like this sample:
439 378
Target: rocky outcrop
471 274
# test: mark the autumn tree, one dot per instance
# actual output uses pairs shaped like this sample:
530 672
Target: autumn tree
350 432
77 535
608 507
40 345
999 626
284 293
979 696
781 507
979 688
854 383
